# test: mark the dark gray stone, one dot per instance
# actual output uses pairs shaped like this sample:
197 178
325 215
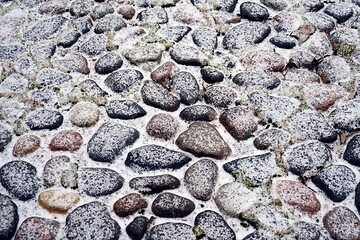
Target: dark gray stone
198 113
9 217
173 33
346 116
185 83
340 11
211 75
337 182
123 80
245 35
110 140
357 197
30 3
124 109
311 124
94 45
302 59
172 206
82 24
312 5
137 228
307 157
261 79
214 226
99 181
187 55
154 184
154 157
69 39
271 138
352 151
277 5
155 95
44 119
321 21
108 63
205 38
11 51
102 10
286 42
256 170
44 29
153 15
91 221
52 77
20 179
43 51
170 231
5 136
200 179
220 96
80 8
258 236
109 23
253 11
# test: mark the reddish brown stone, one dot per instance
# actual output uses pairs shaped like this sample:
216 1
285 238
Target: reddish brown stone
129 204
264 60
303 76
298 195
25 145
164 72
342 224
38 228
126 11
162 125
322 96
67 140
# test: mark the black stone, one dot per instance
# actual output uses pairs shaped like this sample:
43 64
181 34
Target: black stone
155 95
308 231
154 184
110 140
123 80
9 217
83 24
172 206
211 75
228 5
256 169
44 119
340 11
108 63
214 226
261 79
246 34
99 181
283 41
170 231
5 136
185 83
44 29
137 228
69 39
154 157
94 45
336 181
253 11
198 113
357 197
20 179
258 236
205 38
346 116
91 221
124 109
352 151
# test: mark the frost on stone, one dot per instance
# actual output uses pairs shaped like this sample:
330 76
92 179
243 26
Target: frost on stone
10 51
173 33
51 77
306 158
245 35
346 115
123 80
154 157
99 181
170 231
110 140
44 119
15 83
9 217
254 170
187 55
154 184
272 107
44 29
